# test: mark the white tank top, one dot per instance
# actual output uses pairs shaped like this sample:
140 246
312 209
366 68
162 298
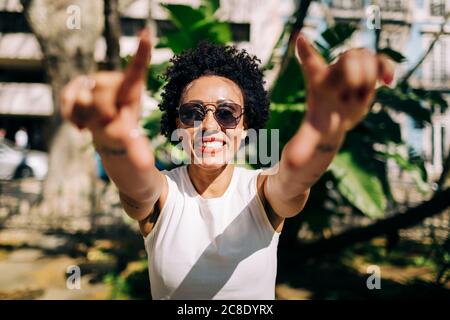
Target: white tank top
218 248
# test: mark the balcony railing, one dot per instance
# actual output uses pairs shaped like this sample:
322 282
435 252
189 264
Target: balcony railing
437 7
392 5
347 4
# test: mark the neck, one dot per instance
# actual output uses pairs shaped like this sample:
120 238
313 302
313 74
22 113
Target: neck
210 182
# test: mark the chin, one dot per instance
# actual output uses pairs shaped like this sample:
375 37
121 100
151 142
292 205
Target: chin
213 160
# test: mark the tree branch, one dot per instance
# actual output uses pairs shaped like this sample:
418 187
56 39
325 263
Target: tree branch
300 16
421 60
411 217
112 34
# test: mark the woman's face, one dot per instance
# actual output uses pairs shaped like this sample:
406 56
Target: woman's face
210 145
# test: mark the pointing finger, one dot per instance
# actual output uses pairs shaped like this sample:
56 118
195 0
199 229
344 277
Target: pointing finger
131 89
312 62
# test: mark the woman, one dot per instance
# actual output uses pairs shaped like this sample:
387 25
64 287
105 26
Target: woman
210 228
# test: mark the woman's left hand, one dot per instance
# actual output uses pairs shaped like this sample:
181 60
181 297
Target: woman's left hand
340 94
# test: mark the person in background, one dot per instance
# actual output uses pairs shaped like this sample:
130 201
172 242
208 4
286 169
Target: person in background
2 135
21 138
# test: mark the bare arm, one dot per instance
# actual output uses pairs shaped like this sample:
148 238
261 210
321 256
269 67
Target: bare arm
339 96
108 105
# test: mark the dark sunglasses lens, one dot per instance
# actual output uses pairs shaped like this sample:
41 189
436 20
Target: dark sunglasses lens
191 112
228 114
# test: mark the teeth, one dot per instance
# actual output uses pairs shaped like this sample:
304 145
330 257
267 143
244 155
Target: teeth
212 144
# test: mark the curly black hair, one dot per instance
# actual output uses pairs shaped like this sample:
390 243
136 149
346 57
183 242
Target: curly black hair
220 60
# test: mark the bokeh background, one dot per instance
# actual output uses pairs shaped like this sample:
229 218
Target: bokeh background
383 202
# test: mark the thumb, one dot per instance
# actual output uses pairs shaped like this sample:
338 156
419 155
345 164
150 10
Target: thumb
311 61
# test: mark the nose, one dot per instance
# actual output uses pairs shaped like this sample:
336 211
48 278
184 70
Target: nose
210 123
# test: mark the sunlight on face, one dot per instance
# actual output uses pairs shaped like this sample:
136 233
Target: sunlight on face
211 145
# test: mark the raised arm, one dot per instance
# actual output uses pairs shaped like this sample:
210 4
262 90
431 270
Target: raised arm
108 105
338 97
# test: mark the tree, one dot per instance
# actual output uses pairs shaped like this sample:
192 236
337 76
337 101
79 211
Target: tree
67 32
357 182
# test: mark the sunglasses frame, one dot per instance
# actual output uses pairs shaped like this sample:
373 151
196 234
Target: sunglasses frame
216 104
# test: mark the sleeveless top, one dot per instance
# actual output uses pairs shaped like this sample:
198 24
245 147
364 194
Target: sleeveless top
218 248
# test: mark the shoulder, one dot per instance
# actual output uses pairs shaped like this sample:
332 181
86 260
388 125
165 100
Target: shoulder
276 221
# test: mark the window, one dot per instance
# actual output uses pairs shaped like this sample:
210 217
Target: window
131 26
347 4
13 22
240 31
439 62
392 5
437 7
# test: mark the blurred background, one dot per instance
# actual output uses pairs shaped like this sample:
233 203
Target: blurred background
384 201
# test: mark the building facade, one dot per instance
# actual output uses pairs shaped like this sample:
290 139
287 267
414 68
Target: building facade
25 98
408 26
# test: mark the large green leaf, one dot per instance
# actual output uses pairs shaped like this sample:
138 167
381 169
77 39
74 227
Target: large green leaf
194 25
407 102
209 7
380 127
183 16
416 171
337 35
394 55
154 81
359 187
286 118
290 85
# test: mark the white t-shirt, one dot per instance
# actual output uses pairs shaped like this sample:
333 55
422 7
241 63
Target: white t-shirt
218 248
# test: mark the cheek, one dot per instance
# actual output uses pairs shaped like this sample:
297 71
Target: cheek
235 138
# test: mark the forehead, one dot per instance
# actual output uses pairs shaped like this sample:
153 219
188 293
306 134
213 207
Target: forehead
212 88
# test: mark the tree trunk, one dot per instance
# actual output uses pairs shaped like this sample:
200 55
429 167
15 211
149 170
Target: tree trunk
67 31
112 34
299 16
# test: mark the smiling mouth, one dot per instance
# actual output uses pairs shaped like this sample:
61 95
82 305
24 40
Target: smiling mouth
210 145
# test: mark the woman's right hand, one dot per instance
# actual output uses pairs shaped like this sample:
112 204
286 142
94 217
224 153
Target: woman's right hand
108 102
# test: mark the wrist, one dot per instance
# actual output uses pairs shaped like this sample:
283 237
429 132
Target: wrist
326 123
117 146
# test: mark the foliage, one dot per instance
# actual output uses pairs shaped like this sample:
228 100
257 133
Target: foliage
129 286
359 172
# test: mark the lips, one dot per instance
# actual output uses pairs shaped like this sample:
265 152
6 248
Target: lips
211 144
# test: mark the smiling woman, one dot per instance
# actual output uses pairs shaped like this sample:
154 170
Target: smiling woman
211 229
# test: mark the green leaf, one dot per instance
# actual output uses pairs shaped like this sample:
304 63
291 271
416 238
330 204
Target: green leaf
286 118
394 55
414 170
178 41
183 16
360 188
338 34
154 82
380 127
404 100
209 7
151 123
216 32
289 85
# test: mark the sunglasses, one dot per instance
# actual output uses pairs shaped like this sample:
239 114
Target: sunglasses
227 113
